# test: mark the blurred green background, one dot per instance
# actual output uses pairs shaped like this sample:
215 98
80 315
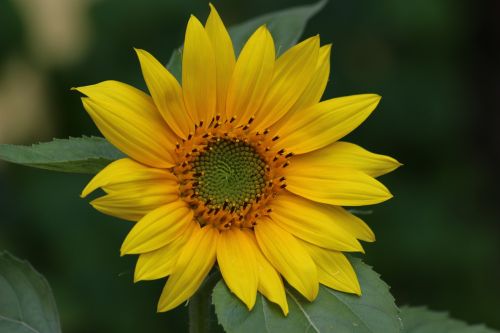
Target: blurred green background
435 62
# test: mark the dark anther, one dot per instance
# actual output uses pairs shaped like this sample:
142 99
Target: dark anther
275 158
232 119
217 117
281 151
190 136
269 210
286 164
283 186
201 123
289 155
177 145
276 138
266 131
282 178
245 127
250 120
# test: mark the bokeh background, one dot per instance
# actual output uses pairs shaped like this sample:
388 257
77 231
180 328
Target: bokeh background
435 62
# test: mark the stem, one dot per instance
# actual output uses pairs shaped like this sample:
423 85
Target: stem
200 305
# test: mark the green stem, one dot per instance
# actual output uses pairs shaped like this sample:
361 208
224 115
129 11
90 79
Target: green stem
200 306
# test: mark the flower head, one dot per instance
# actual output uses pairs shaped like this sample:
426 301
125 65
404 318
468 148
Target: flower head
240 167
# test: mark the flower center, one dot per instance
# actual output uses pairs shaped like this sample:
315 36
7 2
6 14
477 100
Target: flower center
229 173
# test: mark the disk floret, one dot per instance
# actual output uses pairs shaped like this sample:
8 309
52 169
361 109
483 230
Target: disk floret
228 174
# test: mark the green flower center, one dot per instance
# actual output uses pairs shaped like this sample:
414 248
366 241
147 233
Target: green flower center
229 174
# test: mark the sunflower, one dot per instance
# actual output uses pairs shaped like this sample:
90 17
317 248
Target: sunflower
239 167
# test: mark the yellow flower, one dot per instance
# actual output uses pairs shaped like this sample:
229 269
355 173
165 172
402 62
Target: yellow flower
240 166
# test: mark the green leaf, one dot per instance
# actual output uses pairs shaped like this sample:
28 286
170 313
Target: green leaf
77 155
332 311
286 26
422 320
26 301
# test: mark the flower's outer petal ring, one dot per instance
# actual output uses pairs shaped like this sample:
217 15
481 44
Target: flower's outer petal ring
292 72
270 282
198 73
316 86
128 118
194 263
288 256
307 220
124 174
224 57
339 187
166 93
252 76
348 156
134 203
161 262
158 228
334 270
237 263
324 123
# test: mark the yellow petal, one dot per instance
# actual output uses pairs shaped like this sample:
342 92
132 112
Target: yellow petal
350 222
132 204
160 263
306 220
128 118
194 263
288 256
292 72
198 73
316 86
126 173
224 57
340 187
158 228
349 156
334 270
237 263
270 282
324 123
252 76
166 93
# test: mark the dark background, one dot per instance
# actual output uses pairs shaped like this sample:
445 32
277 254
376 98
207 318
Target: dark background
435 62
